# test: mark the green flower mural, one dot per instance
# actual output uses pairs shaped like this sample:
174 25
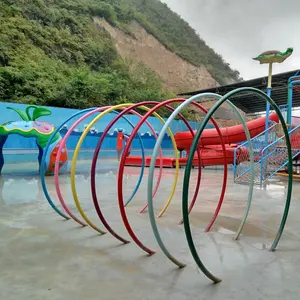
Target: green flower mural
37 112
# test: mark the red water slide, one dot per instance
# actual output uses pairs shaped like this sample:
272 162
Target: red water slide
209 144
231 135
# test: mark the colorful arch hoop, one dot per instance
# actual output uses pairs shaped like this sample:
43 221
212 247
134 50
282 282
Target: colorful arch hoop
187 173
98 147
196 140
93 181
152 165
151 210
42 165
75 198
121 204
186 209
130 140
165 104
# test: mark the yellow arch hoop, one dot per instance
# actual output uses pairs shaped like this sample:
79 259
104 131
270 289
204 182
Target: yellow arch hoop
78 147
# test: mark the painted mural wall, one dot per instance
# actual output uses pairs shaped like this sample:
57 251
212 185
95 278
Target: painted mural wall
59 115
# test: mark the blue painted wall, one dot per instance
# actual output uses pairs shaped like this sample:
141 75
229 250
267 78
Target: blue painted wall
59 115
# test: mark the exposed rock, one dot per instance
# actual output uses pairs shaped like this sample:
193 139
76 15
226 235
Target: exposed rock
177 74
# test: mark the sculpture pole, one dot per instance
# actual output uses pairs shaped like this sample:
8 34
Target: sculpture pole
269 92
270 57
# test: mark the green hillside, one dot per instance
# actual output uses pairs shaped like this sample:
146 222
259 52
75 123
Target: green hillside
177 35
51 52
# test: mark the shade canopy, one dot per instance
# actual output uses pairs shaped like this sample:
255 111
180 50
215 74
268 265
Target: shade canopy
250 103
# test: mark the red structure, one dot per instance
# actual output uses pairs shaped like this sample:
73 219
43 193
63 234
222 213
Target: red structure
121 137
210 145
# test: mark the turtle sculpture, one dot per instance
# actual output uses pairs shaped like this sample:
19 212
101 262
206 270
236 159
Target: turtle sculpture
273 56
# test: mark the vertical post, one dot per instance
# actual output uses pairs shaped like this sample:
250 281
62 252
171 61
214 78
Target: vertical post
180 153
269 90
3 139
261 168
290 103
234 164
41 151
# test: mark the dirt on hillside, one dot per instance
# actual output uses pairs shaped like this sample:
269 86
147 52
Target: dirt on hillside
177 74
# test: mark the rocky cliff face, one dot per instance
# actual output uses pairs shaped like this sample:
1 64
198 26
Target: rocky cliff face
177 74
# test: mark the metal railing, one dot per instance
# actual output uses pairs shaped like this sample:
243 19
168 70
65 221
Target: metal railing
269 158
275 157
241 164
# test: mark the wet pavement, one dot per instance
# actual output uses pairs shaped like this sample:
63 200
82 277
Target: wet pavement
46 257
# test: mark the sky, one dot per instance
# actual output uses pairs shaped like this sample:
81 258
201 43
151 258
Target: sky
242 29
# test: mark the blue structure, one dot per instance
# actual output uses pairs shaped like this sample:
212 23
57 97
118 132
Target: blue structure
15 146
59 115
270 156
294 80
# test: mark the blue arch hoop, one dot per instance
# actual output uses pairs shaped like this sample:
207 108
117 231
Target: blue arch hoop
43 160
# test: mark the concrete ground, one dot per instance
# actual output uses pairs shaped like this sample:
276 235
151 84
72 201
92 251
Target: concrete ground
45 257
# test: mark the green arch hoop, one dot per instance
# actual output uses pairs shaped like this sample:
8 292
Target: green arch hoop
192 152
152 166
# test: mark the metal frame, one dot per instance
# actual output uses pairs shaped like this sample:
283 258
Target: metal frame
263 178
249 104
272 144
245 145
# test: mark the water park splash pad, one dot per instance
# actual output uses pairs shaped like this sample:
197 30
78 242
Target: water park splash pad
199 148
